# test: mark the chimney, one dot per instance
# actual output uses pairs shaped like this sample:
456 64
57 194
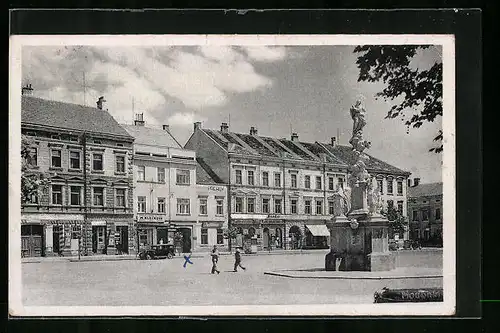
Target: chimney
224 128
409 182
139 119
166 128
253 131
197 125
295 137
333 141
101 103
416 181
27 91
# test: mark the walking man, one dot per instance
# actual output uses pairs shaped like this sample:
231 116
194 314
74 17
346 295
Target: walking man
237 260
215 259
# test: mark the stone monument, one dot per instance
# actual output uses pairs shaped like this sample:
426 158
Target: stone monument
358 233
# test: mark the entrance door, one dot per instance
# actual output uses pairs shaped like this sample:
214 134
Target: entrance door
99 239
295 237
265 238
56 239
186 240
32 241
122 242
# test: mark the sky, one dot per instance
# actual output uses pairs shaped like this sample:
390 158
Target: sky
279 90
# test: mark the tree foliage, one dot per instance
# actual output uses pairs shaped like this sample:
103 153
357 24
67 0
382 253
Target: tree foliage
421 91
230 233
32 184
398 223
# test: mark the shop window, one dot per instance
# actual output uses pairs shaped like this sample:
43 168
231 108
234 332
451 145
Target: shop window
204 236
56 158
220 236
74 160
141 204
98 196
97 163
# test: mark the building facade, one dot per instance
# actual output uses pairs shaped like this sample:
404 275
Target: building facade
425 209
165 188
212 208
87 157
281 191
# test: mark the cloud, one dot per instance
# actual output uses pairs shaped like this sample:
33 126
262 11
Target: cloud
183 119
265 53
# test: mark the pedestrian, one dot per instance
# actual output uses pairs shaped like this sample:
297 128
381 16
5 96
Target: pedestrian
237 260
215 259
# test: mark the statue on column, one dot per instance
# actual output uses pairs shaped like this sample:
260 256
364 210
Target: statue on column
342 201
375 202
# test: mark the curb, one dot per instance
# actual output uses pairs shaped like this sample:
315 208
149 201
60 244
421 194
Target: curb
355 277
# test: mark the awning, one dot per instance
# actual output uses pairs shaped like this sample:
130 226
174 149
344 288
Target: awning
318 230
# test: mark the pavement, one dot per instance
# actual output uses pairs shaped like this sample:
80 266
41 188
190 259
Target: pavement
169 283
398 273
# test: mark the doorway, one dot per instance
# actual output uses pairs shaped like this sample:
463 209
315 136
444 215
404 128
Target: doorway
186 239
57 238
32 240
266 238
122 241
295 237
99 239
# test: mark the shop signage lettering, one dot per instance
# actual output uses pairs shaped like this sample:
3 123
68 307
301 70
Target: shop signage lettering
150 218
216 188
273 216
211 224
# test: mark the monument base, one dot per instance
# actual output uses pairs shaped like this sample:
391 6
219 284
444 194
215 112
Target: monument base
381 261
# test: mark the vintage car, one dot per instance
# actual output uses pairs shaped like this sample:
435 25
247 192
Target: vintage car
159 251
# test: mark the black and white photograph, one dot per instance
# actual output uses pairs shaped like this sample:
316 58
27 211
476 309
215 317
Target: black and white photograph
232 175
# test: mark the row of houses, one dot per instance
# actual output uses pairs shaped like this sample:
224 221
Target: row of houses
116 188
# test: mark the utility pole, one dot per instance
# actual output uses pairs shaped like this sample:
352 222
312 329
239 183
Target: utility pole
133 110
84 91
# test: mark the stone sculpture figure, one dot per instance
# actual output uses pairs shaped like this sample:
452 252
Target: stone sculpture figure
375 202
342 201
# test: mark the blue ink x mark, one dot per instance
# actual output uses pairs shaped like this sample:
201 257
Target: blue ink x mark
187 261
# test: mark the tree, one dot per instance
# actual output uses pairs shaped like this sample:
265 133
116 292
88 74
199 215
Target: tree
32 184
397 222
230 233
421 90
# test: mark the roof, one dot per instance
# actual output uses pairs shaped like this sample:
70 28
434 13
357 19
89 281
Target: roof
152 136
425 190
345 153
338 154
56 114
205 174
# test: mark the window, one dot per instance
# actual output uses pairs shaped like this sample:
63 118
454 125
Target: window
293 206
341 182
75 231
250 178
390 204
183 206
265 205
33 199
203 206
400 207
56 158
319 207
75 195
239 205
307 182
97 142
307 207
120 197
161 175
425 215
220 206
294 180
250 205
265 178
400 187
330 184
331 208
277 180
74 160
380 186
389 186
204 236
238 177
141 172
57 194
415 215
438 213
220 236
141 204
277 206
32 158
73 138
161 205
318 183
182 177
97 162
98 196
120 163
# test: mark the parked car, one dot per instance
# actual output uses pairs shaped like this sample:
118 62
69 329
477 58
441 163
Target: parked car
159 251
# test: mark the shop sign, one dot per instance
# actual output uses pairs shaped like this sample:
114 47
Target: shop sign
216 188
211 224
274 216
150 218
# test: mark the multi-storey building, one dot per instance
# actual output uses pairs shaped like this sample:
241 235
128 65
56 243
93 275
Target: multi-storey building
165 187
86 155
425 209
280 191
212 208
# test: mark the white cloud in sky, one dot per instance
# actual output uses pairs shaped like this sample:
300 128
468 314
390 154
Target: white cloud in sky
265 53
